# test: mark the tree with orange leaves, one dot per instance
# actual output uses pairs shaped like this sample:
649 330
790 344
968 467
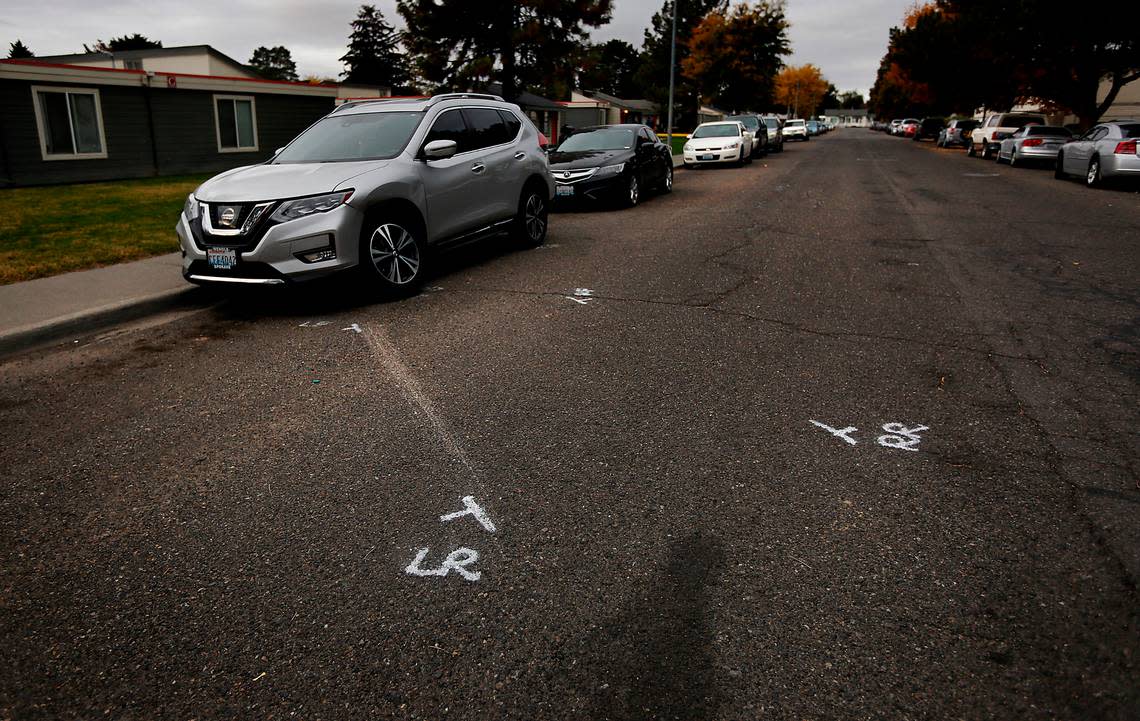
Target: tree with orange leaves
800 89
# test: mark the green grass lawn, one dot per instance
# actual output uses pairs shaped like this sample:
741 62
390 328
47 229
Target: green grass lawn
678 141
50 230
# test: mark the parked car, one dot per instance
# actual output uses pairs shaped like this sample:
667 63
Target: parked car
813 127
1033 142
373 185
893 128
929 128
796 129
724 141
611 163
909 127
982 139
756 131
1107 150
775 134
956 132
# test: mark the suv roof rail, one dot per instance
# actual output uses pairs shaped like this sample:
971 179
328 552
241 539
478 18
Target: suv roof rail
453 96
365 101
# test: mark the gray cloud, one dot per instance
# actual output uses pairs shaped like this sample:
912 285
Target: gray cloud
846 40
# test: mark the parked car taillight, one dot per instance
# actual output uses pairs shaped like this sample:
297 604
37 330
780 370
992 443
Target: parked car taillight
1032 142
1128 147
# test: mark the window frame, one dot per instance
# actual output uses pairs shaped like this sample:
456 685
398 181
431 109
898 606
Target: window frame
40 122
218 123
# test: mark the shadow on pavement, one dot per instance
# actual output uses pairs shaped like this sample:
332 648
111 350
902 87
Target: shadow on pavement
655 661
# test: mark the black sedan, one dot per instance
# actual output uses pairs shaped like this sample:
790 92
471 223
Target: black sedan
611 163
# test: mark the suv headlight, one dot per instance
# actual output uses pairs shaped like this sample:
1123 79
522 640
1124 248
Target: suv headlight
301 207
609 170
190 209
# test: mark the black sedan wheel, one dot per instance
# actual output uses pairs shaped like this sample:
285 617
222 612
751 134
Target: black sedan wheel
667 183
633 191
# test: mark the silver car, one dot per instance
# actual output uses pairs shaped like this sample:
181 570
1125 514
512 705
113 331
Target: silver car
1108 150
1033 142
375 186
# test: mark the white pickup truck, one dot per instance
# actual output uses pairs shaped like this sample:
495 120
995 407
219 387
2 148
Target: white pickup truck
982 140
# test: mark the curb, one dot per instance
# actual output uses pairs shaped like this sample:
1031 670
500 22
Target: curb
29 336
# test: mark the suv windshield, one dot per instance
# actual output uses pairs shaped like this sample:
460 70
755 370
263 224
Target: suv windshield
368 136
717 131
749 121
604 139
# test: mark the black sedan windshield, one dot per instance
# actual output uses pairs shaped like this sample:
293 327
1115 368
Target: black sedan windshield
368 136
605 139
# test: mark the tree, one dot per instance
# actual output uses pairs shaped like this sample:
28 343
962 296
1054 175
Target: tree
733 58
135 41
800 89
273 63
653 73
610 68
18 50
830 98
538 44
852 100
375 56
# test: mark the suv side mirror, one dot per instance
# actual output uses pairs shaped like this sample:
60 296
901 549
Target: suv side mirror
440 149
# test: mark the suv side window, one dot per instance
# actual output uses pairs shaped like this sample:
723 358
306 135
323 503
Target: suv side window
513 123
450 126
486 127
647 136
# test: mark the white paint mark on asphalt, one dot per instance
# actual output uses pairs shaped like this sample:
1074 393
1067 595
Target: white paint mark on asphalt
314 324
981 175
387 356
843 433
355 327
583 292
579 301
457 561
471 508
901 437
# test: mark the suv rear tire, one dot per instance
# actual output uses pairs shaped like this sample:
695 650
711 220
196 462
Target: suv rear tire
392 255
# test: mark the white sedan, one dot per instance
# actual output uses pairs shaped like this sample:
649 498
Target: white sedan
723 142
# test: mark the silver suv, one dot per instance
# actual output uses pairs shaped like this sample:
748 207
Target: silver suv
373 185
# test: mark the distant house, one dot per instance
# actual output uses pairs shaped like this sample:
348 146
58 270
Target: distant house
708 114
848 118
173 111
591 107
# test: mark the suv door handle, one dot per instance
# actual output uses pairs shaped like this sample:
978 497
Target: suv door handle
478 168
520 155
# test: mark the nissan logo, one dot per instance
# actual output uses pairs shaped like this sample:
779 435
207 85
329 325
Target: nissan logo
227 216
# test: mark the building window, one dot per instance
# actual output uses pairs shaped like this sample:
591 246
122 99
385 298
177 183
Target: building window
70 123
133 64
236 120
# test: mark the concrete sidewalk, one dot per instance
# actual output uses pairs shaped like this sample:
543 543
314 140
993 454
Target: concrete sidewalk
39 310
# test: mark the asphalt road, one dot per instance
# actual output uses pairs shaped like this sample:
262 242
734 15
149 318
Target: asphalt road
223 515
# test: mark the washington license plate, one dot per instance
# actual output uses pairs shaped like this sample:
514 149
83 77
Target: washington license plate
706 157
564 190
221 258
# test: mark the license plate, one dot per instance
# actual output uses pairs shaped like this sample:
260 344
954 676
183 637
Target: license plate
706 157
221 258
564 190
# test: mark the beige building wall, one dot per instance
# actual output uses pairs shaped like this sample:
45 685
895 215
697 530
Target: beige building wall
1127 103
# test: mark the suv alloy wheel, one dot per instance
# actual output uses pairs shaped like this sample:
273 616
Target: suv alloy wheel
532 220
394 254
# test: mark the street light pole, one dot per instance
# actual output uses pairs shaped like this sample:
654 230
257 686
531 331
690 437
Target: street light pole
672 68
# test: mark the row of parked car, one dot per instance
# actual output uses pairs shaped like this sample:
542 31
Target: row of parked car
1106 151
380 186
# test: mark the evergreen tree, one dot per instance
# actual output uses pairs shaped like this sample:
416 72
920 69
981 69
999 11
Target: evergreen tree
374 54
135 41
610 67
536 44
18 50
274 63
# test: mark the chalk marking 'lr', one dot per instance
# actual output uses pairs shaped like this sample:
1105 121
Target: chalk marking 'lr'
456 561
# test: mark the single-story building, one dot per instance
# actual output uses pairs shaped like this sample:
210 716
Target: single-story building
591 107
848 118
709 114
68 122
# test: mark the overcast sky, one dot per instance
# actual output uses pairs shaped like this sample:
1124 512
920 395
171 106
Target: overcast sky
845 39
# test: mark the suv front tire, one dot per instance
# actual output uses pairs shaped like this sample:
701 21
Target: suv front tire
392 255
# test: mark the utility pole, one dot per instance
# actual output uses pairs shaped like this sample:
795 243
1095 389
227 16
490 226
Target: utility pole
672 69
